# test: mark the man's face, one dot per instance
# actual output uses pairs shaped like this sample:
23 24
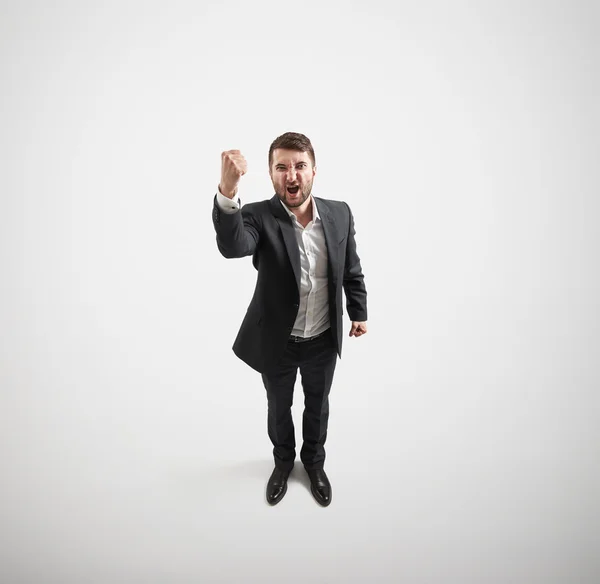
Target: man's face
293 170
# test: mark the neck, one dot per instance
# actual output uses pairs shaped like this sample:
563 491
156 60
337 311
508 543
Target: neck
304 209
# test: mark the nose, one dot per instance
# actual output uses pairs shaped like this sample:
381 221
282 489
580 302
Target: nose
291 175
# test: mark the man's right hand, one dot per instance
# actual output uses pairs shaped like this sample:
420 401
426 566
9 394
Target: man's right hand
233 167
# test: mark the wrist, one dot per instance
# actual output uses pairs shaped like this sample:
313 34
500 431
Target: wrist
229 193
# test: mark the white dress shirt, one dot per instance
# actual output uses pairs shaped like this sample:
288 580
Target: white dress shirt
313 312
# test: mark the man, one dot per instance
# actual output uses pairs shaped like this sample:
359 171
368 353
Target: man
304 250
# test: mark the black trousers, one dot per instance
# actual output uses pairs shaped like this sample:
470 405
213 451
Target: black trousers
316 360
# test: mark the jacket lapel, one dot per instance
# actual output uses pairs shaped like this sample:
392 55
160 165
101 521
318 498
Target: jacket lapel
289 236
332 236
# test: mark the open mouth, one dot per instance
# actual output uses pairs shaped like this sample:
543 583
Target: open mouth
293 190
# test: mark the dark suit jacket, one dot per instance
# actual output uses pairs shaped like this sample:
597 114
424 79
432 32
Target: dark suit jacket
265 231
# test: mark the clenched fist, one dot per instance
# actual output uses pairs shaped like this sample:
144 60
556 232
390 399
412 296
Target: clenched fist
233 167
358 328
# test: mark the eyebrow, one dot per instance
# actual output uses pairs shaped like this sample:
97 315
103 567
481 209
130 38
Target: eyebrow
297 163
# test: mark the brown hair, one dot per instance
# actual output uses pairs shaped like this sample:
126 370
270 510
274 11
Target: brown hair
292 141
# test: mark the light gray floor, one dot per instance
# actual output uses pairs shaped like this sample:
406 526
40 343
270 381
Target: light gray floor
431 483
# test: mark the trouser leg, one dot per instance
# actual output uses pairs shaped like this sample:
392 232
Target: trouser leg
316 369
279 383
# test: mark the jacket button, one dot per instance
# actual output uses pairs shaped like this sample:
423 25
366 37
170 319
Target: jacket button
296 306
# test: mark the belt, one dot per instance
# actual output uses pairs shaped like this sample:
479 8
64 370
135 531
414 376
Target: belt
295 339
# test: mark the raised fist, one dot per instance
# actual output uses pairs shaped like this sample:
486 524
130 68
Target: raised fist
233 167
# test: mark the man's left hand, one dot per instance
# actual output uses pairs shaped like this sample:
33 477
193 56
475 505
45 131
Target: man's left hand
358 329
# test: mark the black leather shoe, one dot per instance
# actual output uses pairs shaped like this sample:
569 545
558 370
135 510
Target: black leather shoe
319 486
277 485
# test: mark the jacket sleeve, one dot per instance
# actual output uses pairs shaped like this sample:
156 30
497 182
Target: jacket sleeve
237 233
354 285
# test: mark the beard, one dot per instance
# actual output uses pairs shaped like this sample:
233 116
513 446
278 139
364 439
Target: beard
304 193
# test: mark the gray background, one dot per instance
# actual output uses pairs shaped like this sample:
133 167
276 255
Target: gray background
464 441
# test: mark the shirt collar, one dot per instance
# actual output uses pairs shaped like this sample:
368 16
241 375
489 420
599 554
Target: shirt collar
314 209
